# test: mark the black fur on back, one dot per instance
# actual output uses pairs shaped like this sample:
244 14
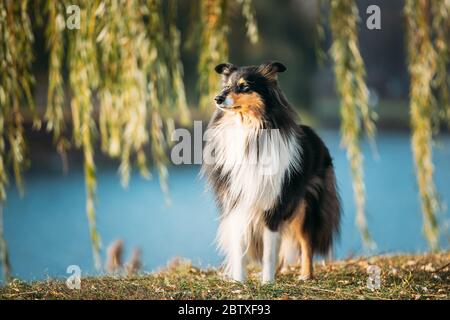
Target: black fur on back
314 183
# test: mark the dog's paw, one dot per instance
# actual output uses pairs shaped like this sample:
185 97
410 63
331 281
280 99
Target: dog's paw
305 277
238 277
238 280
267 278
284 270
234 280
267 281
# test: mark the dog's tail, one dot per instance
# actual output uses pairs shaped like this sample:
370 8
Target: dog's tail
323 219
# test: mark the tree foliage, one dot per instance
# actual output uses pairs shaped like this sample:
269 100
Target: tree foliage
126 86
355 113
16 80
428 56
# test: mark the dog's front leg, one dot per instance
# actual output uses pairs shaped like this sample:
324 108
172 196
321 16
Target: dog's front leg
236 254
271 247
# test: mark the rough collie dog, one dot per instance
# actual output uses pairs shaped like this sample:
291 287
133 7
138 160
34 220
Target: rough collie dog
273 178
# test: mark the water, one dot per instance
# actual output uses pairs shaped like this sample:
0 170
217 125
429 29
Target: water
47 229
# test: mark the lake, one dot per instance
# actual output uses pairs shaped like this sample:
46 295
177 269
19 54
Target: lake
47 230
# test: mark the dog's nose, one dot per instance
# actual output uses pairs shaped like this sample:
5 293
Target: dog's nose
219 99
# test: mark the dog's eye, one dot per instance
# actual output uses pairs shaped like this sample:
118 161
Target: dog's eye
244 88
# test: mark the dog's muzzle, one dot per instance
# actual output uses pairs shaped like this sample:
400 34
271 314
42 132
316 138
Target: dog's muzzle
224 103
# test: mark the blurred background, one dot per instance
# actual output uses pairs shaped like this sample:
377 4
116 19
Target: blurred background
46 229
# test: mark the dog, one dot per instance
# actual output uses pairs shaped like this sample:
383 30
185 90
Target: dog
273 179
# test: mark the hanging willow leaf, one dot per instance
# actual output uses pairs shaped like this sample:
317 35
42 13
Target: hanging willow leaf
4 255
440 11
16 40
319 33
54 32
350 82
177 84
159 152
83 80
166 95
123 112
250 21
213 48
16 81
422 68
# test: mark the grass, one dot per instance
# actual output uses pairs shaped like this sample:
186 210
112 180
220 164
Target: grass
402 277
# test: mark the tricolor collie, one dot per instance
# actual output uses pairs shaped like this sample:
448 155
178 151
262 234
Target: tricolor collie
273 178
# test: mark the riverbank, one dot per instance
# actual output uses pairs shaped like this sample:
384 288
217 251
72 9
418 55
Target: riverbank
401 277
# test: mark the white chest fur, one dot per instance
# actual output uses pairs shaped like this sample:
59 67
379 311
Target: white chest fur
255 161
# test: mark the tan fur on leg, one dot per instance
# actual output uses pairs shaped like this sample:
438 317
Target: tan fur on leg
296 227
307 257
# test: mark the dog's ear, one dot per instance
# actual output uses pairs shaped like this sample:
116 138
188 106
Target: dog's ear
225 69
271 69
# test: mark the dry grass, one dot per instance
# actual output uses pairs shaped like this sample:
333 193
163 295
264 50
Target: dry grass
402 277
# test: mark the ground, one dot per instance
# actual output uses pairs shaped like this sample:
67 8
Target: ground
402 277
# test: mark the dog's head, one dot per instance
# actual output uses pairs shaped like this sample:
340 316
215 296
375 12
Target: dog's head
252 91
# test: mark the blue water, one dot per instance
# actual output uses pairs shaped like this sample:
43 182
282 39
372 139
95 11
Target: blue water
47 229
